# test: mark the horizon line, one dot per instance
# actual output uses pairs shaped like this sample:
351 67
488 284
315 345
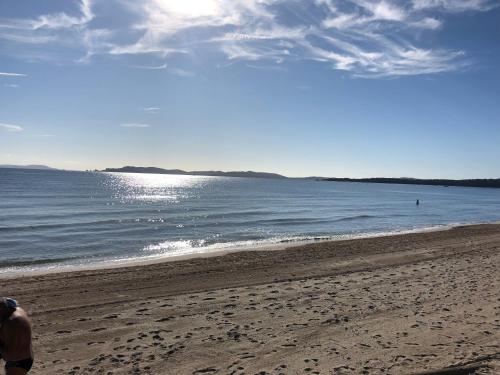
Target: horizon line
46 167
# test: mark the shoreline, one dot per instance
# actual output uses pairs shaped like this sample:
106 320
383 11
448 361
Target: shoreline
215 252
400 305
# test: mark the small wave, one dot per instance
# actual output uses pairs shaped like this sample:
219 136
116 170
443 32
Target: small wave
114 210
303 220
193 247
290 221
174 246
93 224
185 247
56 225
169 249
9 263
235 214
357 217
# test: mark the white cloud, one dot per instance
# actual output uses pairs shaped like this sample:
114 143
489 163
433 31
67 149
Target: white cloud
151 110
151 67
427 23
236 51
11 128
343 21
171 70
11 85
368 38
341 61
135 125
7 74
145 46
398 59
455 5
29 38
63 20
383 10
181 72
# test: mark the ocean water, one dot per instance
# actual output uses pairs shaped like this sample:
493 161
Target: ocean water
58 219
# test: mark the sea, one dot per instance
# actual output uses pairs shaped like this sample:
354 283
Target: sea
61 220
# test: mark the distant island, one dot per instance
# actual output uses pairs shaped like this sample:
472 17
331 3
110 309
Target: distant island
485 182
31 166
131 169
479 182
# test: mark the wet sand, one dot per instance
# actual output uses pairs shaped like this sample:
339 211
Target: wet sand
406 304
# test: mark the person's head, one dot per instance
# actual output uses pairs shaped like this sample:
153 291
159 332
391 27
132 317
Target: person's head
7 306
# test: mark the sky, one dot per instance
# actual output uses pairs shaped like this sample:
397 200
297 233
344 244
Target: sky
344 88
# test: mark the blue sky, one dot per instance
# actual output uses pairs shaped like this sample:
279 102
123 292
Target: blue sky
352 88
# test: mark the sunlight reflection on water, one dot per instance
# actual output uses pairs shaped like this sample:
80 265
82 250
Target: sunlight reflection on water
155 187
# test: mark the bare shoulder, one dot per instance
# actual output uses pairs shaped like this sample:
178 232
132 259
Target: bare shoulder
18 319
20 313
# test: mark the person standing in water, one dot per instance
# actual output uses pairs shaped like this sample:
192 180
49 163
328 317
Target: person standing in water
15 338
418 202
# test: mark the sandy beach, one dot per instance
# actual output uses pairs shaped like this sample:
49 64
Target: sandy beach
405 304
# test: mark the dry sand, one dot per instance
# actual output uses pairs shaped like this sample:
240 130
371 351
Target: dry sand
391 305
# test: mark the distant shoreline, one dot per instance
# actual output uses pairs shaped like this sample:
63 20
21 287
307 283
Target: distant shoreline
483 183
30 167
155 170
488 183
477 182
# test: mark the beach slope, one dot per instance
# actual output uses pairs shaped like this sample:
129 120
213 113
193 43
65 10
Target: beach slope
404 304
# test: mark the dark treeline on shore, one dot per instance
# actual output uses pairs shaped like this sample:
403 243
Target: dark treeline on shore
131 169
486 183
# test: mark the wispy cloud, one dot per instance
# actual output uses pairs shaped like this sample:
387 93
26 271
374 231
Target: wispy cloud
455 5
135 125
28 38
181 72
11 85
7 74
151 67
367 38
151 110
427 23
11 128
63 20
165 67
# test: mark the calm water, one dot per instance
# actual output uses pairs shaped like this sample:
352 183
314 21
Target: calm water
52 219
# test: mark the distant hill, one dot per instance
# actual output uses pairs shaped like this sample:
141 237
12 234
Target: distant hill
131 169
31 166
489 183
